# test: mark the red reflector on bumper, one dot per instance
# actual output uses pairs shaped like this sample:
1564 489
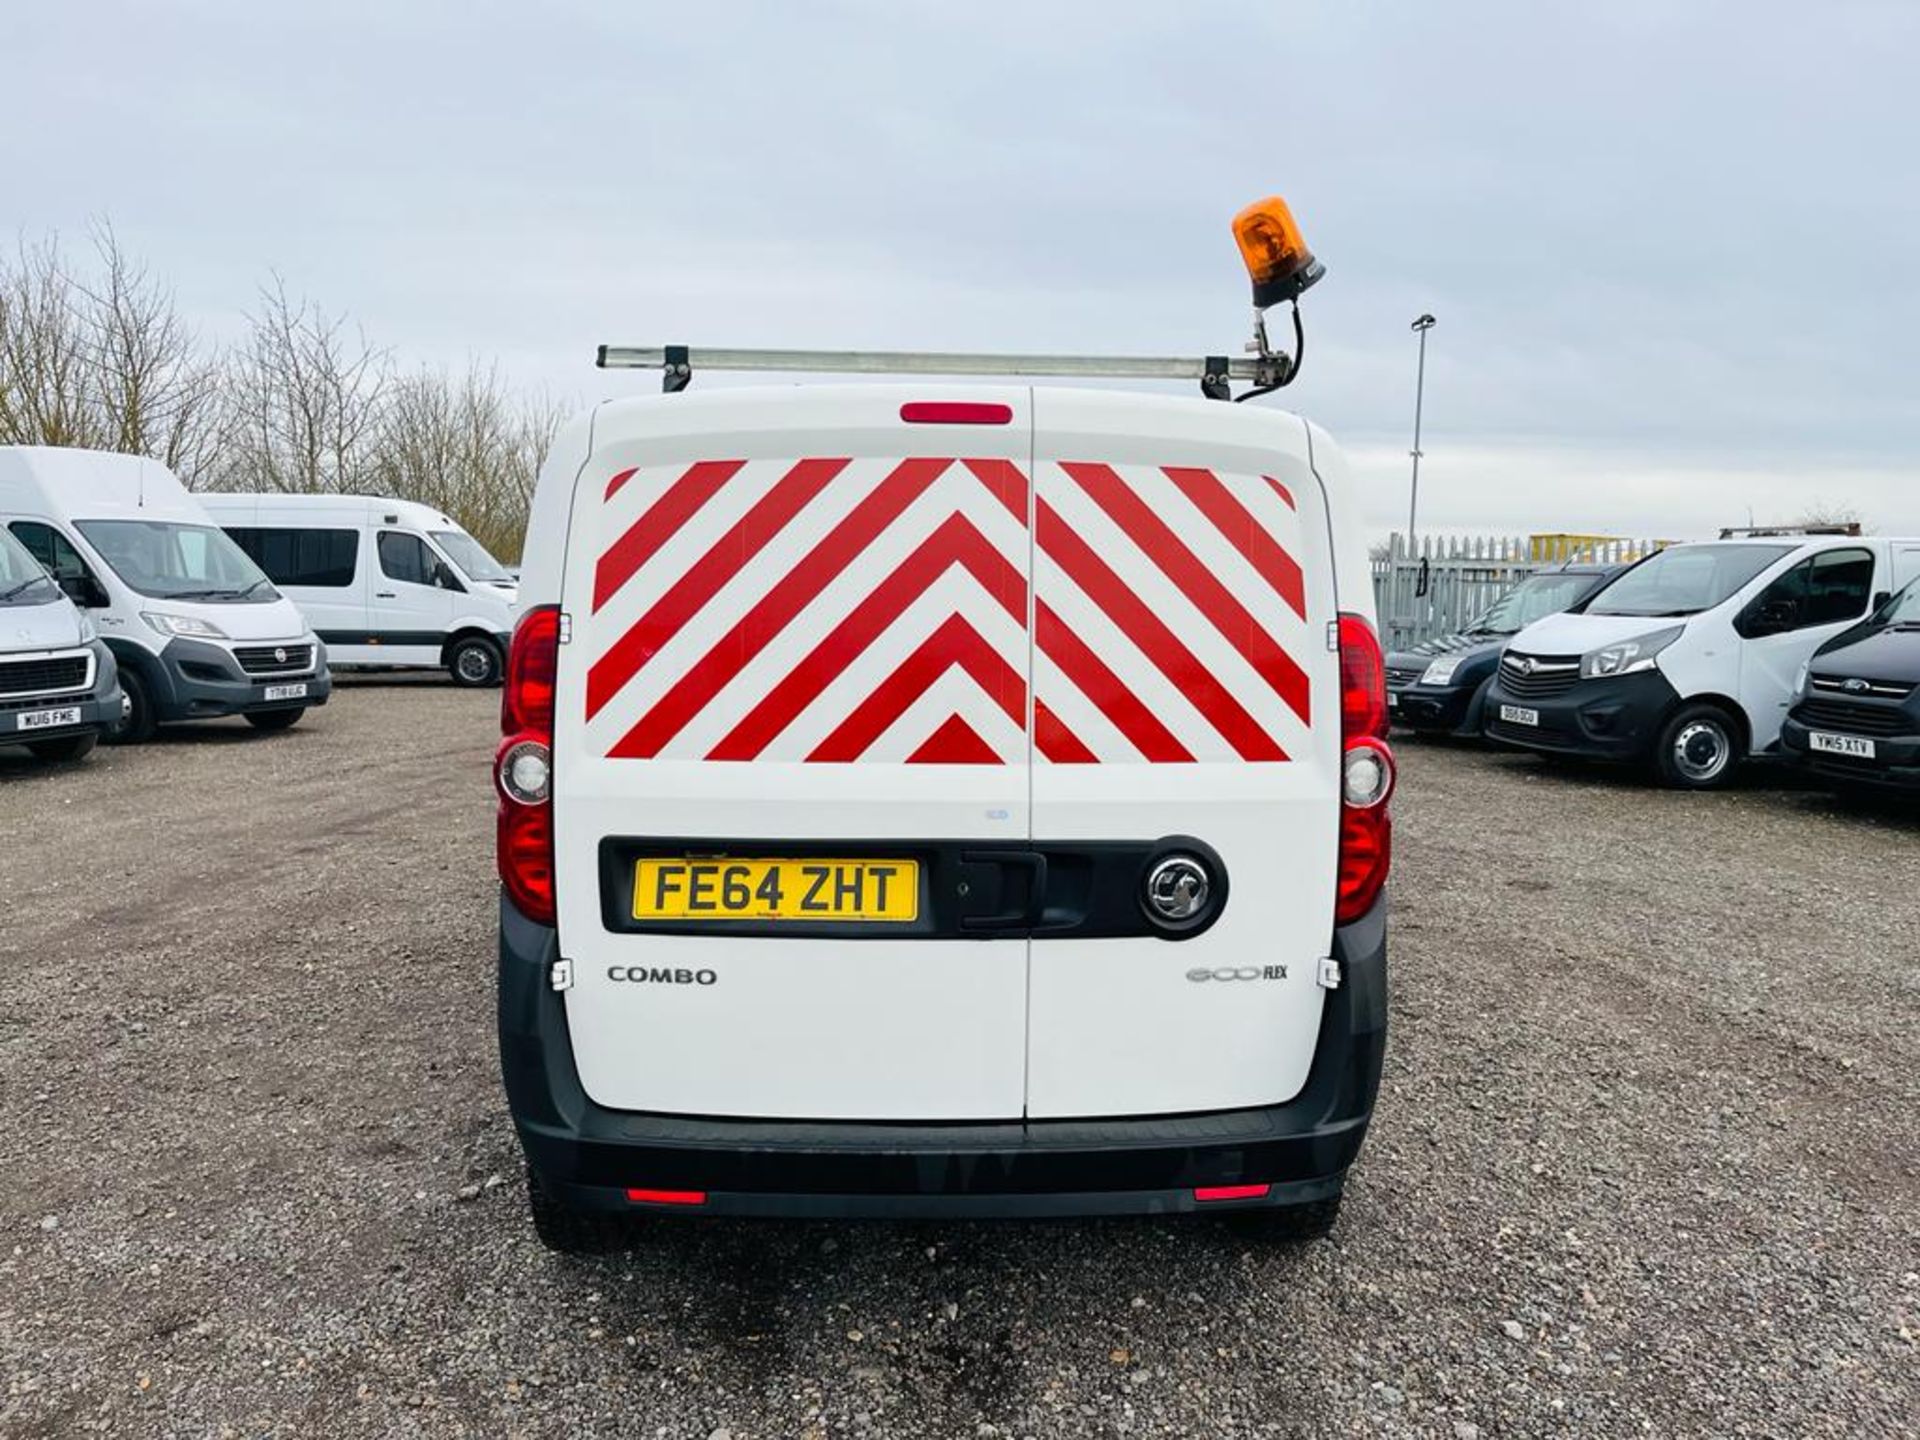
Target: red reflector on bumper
955 412
667 1197
1231 1192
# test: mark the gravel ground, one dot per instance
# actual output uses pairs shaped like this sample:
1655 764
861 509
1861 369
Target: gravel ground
1647 1158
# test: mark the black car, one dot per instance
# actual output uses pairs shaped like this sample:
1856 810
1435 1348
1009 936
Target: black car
1856 715
1440 685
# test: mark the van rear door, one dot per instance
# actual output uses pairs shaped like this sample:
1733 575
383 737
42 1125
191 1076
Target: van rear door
791 761
1186 699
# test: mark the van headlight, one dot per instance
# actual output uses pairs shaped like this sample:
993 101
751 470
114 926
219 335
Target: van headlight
87 633
191 625
1628 657
1800 682
1440 672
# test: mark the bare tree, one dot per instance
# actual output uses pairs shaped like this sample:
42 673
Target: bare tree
465 445
153 388
100 360
303 403
44 352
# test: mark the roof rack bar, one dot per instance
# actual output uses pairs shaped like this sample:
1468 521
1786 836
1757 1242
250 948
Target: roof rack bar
935 362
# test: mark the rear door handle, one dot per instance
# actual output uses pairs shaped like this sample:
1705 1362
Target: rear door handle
385 595
1026 916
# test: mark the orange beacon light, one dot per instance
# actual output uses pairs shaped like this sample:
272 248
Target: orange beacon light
1277 258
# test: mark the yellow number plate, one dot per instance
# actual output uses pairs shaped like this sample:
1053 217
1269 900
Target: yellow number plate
668 889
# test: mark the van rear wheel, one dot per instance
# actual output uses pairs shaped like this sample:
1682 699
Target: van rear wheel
567 1231
1699 748
475 663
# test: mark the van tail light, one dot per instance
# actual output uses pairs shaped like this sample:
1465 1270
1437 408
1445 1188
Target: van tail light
1367 772
523 765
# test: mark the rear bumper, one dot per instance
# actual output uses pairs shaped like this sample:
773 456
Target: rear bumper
1605 719
591 1156
1895 763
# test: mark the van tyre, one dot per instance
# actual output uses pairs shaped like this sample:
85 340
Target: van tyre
64 751
136 724
567 1231
475 663
1699 748
274 719
1289 1224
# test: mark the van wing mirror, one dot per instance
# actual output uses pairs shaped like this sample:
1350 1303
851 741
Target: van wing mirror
444 577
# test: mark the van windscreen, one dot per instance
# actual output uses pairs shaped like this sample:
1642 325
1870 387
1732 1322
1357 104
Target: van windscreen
472 557
173 561
1685 579
22 580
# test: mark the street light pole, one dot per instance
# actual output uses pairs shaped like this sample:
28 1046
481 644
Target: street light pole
1422 325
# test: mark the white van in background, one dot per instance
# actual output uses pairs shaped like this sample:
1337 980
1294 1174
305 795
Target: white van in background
383 582
59 687
196 630
1690 659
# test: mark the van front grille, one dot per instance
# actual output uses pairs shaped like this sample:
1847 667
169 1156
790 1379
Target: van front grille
45 675
1854 718
1400 679
1538 677
274 659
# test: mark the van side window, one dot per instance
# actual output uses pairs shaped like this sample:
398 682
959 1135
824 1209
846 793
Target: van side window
1831 587
324 559
52 549
405 557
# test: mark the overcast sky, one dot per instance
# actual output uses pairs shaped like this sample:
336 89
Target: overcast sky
1672 248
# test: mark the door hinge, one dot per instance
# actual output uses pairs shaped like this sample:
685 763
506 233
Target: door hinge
566 627
562 976
1333 637
1329 974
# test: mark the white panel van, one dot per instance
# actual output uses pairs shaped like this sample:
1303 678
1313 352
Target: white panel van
386 583
196 630
59 687
942 801
1689 660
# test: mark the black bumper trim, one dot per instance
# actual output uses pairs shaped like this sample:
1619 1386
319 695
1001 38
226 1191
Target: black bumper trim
1896 762
1617 718
181 696
1123 1165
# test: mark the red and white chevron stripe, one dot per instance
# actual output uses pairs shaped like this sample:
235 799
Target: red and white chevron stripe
830 611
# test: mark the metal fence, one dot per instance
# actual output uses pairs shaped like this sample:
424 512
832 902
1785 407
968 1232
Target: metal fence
1444 582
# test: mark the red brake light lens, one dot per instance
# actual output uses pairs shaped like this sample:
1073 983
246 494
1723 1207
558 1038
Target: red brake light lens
1206 1193
1367 773
525 836
523 765
666 1197
1363 681
956 412
533 665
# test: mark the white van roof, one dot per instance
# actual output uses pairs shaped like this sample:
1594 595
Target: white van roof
327 509
62 484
